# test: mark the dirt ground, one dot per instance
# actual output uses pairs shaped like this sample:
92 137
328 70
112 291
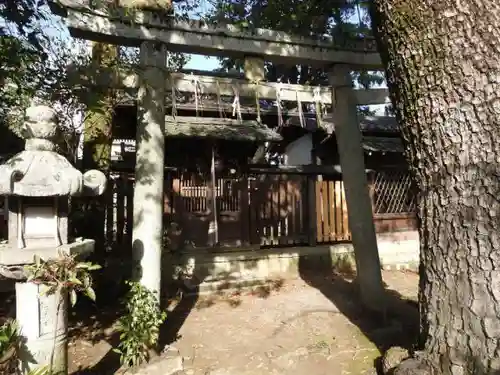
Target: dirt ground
313 325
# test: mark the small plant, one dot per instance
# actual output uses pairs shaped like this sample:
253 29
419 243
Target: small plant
65 273
9 335
9 345
140 327
10 341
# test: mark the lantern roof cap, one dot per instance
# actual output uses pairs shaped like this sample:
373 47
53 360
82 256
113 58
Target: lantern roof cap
39 171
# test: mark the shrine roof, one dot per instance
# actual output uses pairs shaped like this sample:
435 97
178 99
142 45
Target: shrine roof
245 130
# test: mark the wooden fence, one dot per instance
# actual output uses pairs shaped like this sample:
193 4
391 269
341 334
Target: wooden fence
278 209
250 209
262 209
393 200
331 212
392 192
119 215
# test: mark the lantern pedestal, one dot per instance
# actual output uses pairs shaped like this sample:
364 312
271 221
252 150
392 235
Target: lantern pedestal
44 323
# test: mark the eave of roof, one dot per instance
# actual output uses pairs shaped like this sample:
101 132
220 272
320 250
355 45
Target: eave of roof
216 128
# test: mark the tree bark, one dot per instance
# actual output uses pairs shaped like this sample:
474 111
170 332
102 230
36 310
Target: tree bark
99 116
97 139
442 60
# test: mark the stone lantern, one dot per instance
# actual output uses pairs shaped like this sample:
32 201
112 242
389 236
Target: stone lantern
38 182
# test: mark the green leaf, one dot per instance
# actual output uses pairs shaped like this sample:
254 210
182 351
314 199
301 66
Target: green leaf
90 293
74 280
73 297
82 265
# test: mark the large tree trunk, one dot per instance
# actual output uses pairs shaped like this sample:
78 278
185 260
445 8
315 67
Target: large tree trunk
442 61
99 116
97 139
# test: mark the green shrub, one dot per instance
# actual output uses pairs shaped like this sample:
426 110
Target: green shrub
140 327
9 336
9 346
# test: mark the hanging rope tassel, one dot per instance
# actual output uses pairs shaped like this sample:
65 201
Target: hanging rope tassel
279 88
197 91
174 99
257 101
301 112
318 106
236 104
219 101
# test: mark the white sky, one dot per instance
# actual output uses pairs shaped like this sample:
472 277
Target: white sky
202 63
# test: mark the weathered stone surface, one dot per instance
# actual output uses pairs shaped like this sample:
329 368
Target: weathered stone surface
413 366
164 5
39 171
393 357
40 123
94 182
10 256
195 37
43 320
349 141
149 168
168 364
40 228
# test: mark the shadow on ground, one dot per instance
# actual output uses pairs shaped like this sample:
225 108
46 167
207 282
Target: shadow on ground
93 322
191 299
399 327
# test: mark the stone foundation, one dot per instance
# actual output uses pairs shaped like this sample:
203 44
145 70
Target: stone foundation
249 267
214 271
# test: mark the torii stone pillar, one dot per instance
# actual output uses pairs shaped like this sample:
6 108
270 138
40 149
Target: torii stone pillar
349 141
147 232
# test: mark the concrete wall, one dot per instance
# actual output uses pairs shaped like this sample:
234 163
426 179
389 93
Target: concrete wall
215 271
391 223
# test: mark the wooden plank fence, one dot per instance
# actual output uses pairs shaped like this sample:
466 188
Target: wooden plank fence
331 212
255 209
279 210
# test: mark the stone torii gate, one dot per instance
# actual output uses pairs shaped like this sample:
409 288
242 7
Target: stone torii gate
154 36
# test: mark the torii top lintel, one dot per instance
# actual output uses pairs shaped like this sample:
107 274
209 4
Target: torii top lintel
132 27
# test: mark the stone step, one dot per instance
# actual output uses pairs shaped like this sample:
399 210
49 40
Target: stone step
210 285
